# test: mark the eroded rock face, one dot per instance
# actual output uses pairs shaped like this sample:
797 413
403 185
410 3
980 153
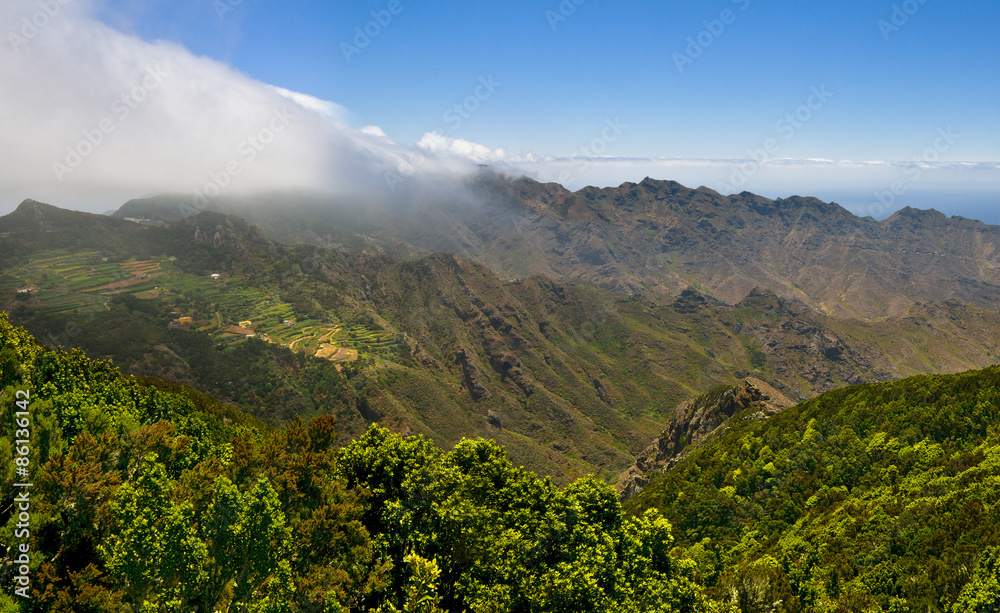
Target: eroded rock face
226 231
693 421
797 342
473 376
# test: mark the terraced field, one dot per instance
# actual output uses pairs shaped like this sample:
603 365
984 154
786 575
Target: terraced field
321 341
85 282
361 338
81 282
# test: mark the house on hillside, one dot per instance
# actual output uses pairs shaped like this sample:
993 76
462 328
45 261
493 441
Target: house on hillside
31 289
216 276
241 331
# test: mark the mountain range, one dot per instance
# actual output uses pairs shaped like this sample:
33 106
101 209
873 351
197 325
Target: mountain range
567 326
655 235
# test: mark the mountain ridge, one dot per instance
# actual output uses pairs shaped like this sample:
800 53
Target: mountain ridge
693 422
572 376
663 237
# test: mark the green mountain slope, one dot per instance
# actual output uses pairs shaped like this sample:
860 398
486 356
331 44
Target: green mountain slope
572 378
872 498
148 496
694 422
156 499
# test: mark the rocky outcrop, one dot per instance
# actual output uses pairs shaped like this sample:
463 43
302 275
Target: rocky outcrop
508 366
227 231
794 341
696 419
472 375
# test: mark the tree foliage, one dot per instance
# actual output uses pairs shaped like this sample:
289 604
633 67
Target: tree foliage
152 498
871 498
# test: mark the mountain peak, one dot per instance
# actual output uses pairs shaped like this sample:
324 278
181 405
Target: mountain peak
762 298
30 205
920 215
658 184
38 215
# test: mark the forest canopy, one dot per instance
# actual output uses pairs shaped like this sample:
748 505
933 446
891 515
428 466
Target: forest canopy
152 497
151 500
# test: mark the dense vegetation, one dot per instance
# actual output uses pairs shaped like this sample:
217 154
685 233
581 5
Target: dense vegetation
572 379
156 498
267 380
152 497
871 498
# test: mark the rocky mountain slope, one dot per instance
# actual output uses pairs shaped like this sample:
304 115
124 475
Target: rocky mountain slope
573 377
661 236
693 421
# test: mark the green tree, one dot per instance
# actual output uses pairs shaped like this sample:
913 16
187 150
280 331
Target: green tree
247 541
982 594
153 551
422 591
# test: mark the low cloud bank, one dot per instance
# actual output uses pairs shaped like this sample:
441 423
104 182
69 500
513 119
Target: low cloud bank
93 117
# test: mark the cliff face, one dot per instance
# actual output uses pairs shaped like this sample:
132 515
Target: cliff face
696 419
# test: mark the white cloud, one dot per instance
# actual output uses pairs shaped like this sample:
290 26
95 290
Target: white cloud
438 144
324 108
774 177
93 117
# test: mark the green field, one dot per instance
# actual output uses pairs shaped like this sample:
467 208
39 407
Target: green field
85 283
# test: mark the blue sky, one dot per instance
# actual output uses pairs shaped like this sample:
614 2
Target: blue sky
617 59
837 97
